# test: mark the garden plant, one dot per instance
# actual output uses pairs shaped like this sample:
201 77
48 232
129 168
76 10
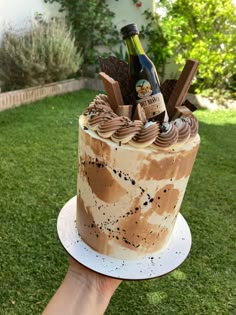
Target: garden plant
92 24
43 51
204 30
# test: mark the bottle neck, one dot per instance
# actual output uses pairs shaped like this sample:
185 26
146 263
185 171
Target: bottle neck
134 45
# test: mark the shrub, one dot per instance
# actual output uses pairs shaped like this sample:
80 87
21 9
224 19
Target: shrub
42 52
92 24
204 30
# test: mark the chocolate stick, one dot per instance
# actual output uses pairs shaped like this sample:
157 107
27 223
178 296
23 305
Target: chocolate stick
113 91
181 111
182 86
124 110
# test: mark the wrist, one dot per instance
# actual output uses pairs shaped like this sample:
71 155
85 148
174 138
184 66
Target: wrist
96 289
104 285
82 291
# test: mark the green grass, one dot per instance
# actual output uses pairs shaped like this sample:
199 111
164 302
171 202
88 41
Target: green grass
38 166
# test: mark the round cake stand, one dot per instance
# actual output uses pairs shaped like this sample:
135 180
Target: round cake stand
149 267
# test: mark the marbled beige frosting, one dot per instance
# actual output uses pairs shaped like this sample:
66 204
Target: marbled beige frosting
131 180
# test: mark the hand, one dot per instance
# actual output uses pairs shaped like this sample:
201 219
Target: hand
104 285
82 291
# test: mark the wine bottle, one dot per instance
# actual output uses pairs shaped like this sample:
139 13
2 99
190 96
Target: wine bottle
143 76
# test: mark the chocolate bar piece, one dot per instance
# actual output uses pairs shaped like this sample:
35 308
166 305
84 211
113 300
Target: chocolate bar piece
113 91
189 105
139 113
124 110
181 111
118 70
166 88
182 86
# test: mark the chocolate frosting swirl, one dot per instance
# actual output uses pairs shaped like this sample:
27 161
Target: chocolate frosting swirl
98 113
95 121
109 127
101 99
167 137
102 119
98 109
183 129
193 123
127 132
146 136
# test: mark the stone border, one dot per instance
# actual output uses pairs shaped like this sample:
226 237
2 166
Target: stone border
207 103
19 97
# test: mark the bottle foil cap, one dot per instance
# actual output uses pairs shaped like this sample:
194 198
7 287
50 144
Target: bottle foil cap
129 30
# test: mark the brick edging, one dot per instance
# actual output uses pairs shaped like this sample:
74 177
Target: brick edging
19 97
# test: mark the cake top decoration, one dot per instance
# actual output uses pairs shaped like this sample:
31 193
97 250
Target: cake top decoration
174 91
101 118
113 115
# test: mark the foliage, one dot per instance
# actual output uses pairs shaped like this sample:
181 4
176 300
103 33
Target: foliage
204 30
92 25
43 52
157 48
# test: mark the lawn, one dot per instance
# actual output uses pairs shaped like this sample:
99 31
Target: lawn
38 166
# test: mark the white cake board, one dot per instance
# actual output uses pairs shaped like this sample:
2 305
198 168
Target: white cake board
151 266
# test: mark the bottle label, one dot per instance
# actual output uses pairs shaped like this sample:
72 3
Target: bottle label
143 88
153 105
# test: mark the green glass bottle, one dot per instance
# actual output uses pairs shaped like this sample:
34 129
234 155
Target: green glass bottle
143 76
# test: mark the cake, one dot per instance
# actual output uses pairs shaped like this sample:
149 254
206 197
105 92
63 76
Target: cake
132 177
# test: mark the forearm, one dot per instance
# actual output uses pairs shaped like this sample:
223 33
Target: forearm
76 296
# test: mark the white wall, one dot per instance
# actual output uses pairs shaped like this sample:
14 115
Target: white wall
16 12
126 12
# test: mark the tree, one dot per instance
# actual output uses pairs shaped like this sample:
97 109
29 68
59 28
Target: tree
204 30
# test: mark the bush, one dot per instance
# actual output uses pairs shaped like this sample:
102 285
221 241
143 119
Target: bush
204 30
92 24
42 52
